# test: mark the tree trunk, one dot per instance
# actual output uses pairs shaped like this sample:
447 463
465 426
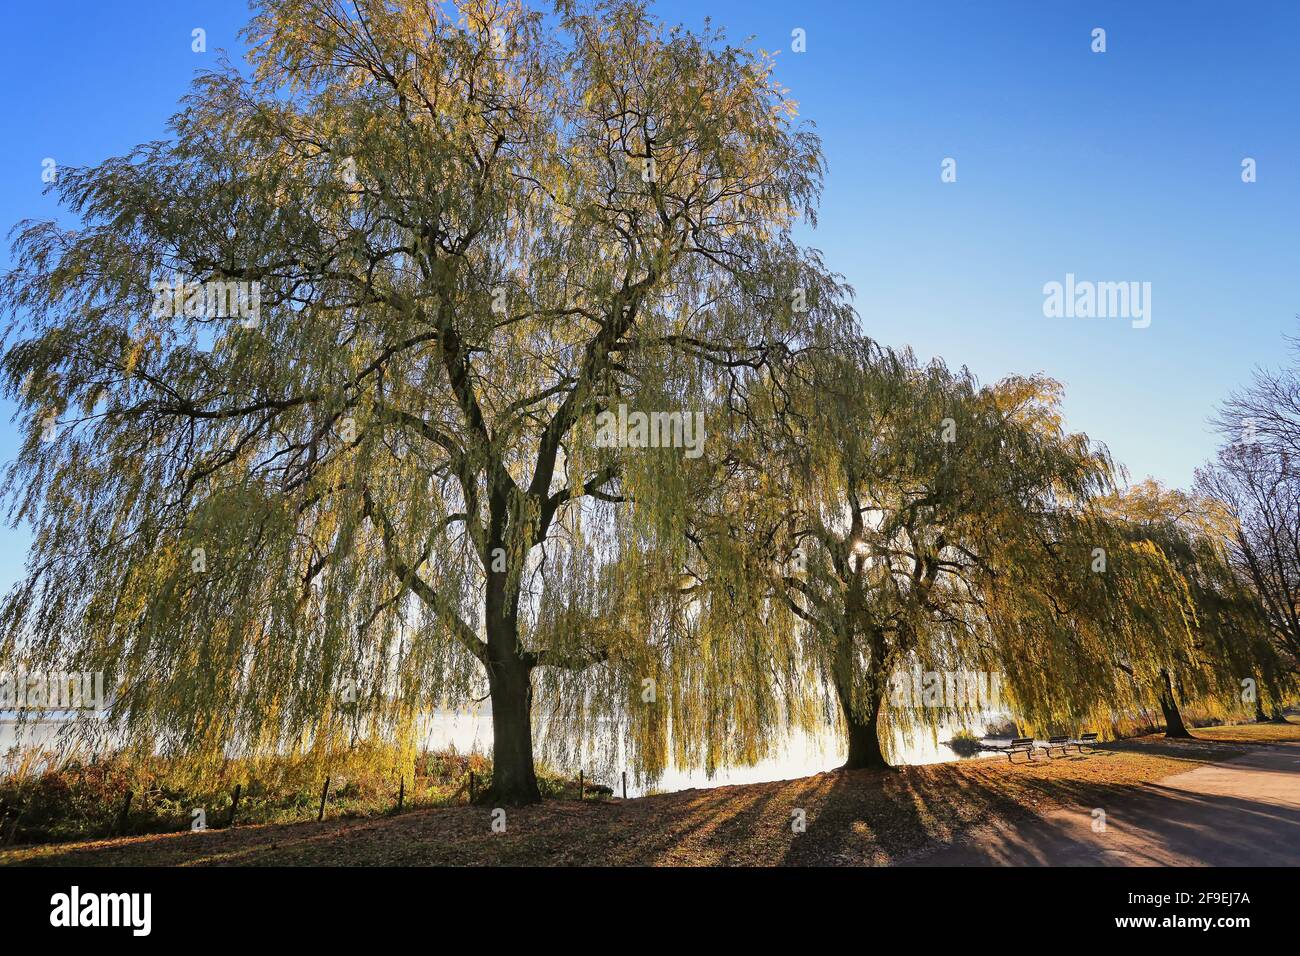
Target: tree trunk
865 752
1174 726
510 682
1260 716
861 722
514 781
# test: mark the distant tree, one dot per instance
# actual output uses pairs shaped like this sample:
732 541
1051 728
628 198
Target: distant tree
457 236
908 519
1254 476
1227 633
1264 500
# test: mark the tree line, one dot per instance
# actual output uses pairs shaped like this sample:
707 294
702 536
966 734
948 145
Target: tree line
470 235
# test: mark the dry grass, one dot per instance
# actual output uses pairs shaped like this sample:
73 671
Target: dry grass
1267 733
853 817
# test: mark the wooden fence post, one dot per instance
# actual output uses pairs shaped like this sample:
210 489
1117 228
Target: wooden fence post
234 803
324 795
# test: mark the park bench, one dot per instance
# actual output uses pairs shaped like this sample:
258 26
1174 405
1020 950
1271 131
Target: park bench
1023 745
1061 743
1086 740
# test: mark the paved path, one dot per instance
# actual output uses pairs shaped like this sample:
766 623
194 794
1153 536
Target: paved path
1244 812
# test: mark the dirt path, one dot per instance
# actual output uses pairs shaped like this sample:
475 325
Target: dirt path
1243 812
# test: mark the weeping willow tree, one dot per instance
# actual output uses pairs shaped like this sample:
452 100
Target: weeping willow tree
449 239
897 520
912 524
1138 584
1121 603
1227 658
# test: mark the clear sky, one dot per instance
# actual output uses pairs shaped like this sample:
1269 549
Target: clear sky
1115 166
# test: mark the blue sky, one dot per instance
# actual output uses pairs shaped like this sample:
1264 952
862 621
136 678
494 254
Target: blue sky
1115 166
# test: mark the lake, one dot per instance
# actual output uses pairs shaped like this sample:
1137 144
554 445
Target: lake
801 755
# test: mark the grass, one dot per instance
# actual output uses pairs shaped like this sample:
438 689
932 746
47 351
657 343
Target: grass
853 817
1266 733
57 798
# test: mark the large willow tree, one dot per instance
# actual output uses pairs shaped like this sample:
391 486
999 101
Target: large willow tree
912 522
472 230
900 519
1226 659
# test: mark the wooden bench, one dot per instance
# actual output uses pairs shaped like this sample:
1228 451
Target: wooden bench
1022 745
1086 740
1061 743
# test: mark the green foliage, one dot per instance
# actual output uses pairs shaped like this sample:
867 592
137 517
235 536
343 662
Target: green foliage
901 517
964 743
474 231
392 482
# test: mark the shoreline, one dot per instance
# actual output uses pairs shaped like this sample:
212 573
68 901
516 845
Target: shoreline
851 818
